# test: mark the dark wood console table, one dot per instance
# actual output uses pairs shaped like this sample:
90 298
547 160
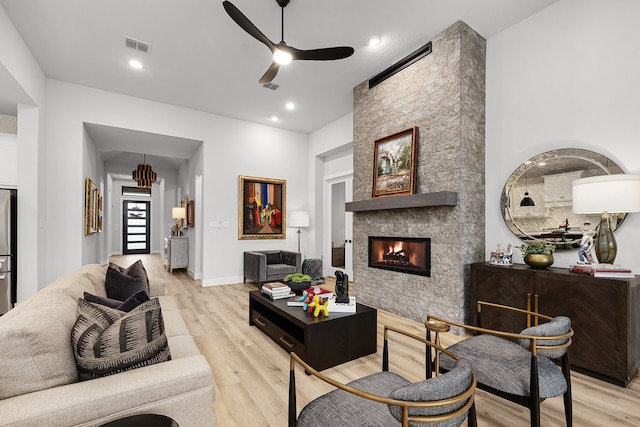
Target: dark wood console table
604 312
321 341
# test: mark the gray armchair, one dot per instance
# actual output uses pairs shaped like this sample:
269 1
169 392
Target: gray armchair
522 371
387 399
266 266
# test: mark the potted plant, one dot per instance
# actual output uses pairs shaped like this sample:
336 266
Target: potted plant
298 281
538 253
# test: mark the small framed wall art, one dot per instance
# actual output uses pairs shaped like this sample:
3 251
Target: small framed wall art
189 206
92 208
261 208
394 164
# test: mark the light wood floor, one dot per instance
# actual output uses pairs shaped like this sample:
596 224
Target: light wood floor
251 371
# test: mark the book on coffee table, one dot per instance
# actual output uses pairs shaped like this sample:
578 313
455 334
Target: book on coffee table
335 307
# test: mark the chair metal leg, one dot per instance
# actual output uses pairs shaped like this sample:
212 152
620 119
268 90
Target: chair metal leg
292 396
428 362
534 394
385 354
568 405
472 420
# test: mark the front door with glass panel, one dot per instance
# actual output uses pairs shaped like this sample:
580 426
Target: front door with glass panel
136 227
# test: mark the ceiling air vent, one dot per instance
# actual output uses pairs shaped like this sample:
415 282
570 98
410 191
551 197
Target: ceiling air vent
138 45
271 86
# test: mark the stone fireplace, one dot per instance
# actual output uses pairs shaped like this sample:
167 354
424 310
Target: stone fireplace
409 255
441 94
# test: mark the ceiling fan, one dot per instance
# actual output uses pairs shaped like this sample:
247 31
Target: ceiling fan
283 53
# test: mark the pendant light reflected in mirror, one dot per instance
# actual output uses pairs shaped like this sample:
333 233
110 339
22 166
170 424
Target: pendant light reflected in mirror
526 200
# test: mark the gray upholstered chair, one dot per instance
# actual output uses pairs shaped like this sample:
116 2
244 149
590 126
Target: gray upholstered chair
267 266
387 399
516 366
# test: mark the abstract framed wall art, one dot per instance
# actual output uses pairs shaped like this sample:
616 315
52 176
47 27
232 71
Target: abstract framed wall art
394 164
261 208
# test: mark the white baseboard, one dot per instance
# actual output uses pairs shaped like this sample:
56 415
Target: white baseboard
221 281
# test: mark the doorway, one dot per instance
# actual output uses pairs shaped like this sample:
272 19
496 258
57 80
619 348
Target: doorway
136 227
338 243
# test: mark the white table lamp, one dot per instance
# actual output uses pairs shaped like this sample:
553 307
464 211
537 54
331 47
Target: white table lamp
606 194
178 214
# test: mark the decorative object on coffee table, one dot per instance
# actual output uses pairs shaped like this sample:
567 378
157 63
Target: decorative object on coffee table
298 281
342 287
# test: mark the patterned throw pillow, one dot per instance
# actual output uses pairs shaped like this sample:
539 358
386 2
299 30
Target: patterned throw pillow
107 341
121 283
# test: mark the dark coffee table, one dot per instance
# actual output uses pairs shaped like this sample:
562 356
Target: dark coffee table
143 420
320 341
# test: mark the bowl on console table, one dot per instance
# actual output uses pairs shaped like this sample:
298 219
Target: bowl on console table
298 282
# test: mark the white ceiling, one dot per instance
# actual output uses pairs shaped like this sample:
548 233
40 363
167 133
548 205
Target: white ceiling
200 58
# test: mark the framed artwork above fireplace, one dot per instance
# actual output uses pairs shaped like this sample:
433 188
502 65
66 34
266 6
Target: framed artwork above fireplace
394 164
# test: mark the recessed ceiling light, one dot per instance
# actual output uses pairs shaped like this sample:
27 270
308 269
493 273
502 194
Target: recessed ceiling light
374 40
290 106
135 63
274 118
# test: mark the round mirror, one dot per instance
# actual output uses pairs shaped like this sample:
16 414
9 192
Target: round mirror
536 199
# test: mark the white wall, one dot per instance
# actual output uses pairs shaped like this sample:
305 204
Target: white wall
24 84
335 137
230 148
8 161
565 77
93 245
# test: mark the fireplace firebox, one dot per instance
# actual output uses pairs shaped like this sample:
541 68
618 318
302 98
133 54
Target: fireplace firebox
410 255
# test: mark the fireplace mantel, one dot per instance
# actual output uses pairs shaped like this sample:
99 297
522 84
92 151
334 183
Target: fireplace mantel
440 198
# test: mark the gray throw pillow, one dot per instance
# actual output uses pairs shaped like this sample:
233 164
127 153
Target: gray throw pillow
122 283
107 341
127 305
274 257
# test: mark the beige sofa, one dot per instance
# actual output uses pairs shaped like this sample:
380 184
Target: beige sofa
39 380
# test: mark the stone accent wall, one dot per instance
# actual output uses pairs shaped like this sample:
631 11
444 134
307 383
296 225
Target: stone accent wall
443 94
8 124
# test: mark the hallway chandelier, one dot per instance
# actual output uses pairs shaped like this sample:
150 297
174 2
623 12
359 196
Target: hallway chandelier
144 175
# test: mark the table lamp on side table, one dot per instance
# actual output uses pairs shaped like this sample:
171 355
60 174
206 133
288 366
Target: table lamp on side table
178 214
606 194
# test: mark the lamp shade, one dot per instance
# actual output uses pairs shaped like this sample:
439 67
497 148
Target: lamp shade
298 219
606 193
178 213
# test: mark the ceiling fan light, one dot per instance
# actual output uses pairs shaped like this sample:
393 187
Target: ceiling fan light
282 57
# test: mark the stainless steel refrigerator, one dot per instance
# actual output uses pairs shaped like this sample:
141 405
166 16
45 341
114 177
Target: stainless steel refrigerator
8 249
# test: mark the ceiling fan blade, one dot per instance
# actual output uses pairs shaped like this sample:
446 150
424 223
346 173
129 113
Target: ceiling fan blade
325 54
270 74
245 24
